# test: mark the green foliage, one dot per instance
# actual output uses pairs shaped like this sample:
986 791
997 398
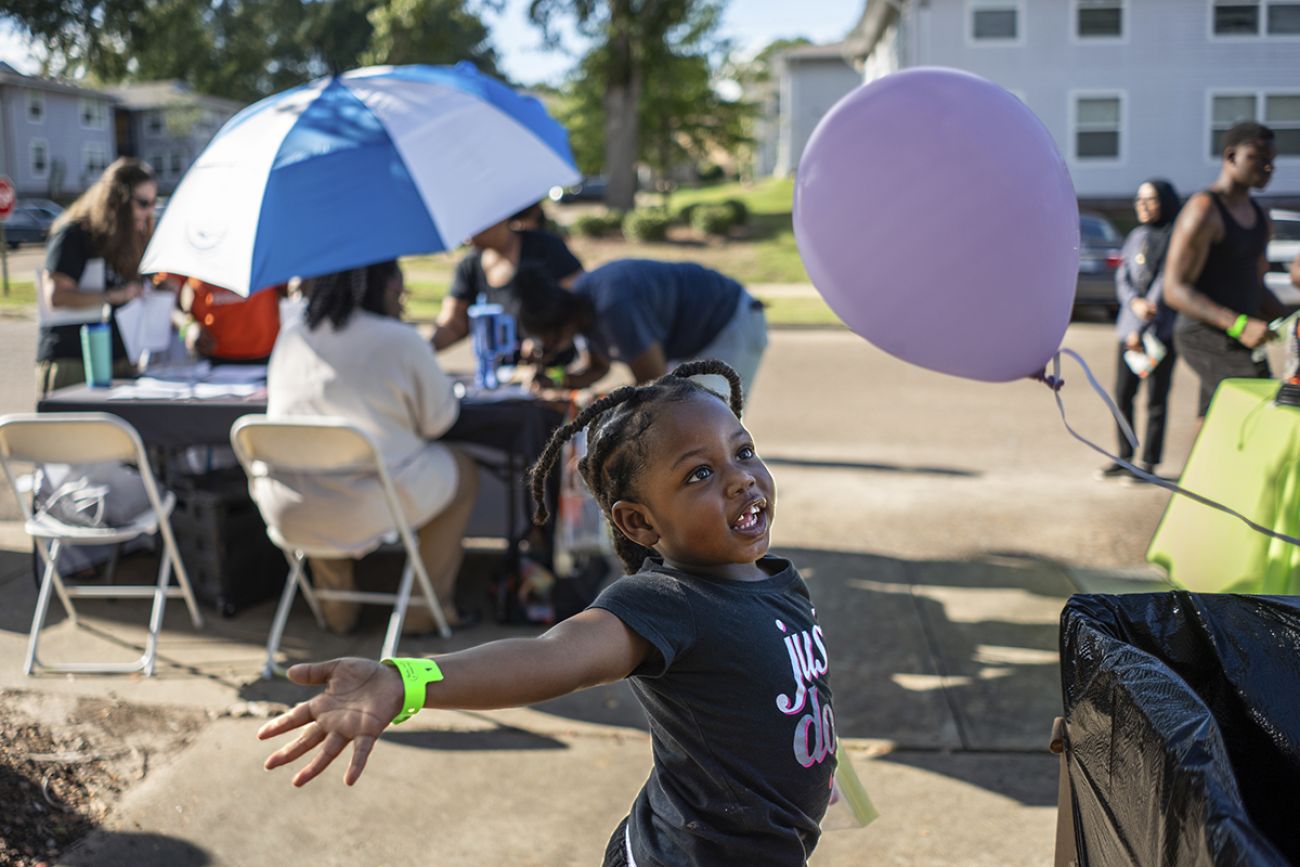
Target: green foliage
246 49
428 31
648 224
596 225
664 55
739 211
713 219
684 214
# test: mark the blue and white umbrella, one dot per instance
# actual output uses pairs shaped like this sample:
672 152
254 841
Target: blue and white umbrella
373 164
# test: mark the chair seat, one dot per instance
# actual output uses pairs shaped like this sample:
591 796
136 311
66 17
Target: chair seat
390 541
46 526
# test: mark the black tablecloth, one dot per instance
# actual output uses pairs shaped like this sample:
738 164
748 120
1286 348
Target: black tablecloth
518 427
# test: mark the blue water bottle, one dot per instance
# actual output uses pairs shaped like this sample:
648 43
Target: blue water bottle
493 334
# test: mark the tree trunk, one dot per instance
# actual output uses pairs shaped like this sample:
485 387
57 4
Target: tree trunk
622 100
621 133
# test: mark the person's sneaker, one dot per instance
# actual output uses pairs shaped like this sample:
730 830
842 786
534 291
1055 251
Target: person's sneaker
1111 471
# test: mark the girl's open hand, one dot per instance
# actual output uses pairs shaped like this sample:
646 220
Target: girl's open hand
361 697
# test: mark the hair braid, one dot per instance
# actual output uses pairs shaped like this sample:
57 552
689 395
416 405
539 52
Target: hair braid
541 469
713 367
616 451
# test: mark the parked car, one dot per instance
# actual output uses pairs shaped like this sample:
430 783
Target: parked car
26 225
1099 257
1282 250
586 190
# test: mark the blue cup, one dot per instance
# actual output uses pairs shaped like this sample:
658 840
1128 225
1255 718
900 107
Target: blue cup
493 335
97 354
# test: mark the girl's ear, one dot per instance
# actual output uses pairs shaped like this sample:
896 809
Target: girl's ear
633 520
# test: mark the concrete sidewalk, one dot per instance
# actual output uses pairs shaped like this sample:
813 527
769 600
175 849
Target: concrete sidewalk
941 525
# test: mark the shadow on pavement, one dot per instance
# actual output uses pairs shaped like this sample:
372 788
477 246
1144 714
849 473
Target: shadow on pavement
139 850
869 467
500 738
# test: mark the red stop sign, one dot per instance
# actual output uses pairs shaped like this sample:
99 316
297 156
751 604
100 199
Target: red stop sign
7 197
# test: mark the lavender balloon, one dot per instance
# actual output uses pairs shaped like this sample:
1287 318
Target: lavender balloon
936 217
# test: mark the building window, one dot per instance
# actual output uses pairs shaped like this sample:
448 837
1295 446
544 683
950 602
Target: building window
94 114
1283 19
35 106
1253 17
40 158
1282 115
156 163
1099 19
177 164
1280 112
995 21
94 159
1097 127
153 122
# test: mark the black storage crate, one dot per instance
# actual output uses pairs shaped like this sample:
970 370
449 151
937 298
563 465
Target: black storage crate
223 542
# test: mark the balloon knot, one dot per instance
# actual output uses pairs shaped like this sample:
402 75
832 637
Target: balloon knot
1053 382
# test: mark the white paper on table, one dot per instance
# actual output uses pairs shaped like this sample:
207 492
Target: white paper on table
136 391
208 390
145 323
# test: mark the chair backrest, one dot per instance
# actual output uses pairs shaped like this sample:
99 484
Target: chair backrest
300 444
69 438
73 438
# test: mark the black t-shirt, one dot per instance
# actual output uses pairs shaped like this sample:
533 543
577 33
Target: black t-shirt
541 249
68 251
739 704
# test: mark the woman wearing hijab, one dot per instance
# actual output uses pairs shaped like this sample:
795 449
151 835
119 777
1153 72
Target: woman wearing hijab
1143 314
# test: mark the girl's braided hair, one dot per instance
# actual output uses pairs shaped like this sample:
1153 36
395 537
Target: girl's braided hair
616 451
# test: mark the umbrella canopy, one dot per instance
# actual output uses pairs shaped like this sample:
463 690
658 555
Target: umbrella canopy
352 169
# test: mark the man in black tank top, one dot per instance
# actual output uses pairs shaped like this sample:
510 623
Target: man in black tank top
1215 267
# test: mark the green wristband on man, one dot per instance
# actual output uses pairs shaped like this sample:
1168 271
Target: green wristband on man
1236 328
416 675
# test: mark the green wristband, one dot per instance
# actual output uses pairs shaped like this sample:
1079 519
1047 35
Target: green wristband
1234 331
416 675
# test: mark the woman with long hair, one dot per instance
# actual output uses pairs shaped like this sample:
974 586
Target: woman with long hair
92 262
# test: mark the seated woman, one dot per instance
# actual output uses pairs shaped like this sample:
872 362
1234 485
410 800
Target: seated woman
489 270
352 357
650 315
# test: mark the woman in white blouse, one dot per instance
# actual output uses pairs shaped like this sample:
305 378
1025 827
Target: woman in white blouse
351 356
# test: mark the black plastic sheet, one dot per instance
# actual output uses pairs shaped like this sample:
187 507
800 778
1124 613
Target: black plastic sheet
1183 728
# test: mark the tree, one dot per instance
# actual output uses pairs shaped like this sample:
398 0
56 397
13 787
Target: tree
247 49
429 31
633 40
681 116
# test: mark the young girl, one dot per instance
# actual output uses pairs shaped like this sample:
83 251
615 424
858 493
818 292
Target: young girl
720 641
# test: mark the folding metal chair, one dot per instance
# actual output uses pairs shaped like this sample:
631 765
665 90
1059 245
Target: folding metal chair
270 448
86 438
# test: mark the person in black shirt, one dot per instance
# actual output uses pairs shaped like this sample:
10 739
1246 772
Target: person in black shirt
720 641
92 260
489 271
1215 267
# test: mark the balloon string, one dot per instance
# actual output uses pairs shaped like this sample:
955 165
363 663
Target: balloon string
1055 382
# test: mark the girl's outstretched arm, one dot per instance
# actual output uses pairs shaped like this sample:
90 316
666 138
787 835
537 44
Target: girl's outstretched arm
361 696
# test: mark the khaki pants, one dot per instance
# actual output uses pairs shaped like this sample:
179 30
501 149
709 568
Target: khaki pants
63 372
441 548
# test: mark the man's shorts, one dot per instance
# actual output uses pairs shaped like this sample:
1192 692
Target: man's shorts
1215 356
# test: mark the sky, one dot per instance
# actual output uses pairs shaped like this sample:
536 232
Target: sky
750 24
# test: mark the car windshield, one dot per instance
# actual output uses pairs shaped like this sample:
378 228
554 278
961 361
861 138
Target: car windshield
1094 230
1286 230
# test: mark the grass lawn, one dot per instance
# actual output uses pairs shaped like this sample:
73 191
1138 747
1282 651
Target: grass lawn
762 252
22 293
